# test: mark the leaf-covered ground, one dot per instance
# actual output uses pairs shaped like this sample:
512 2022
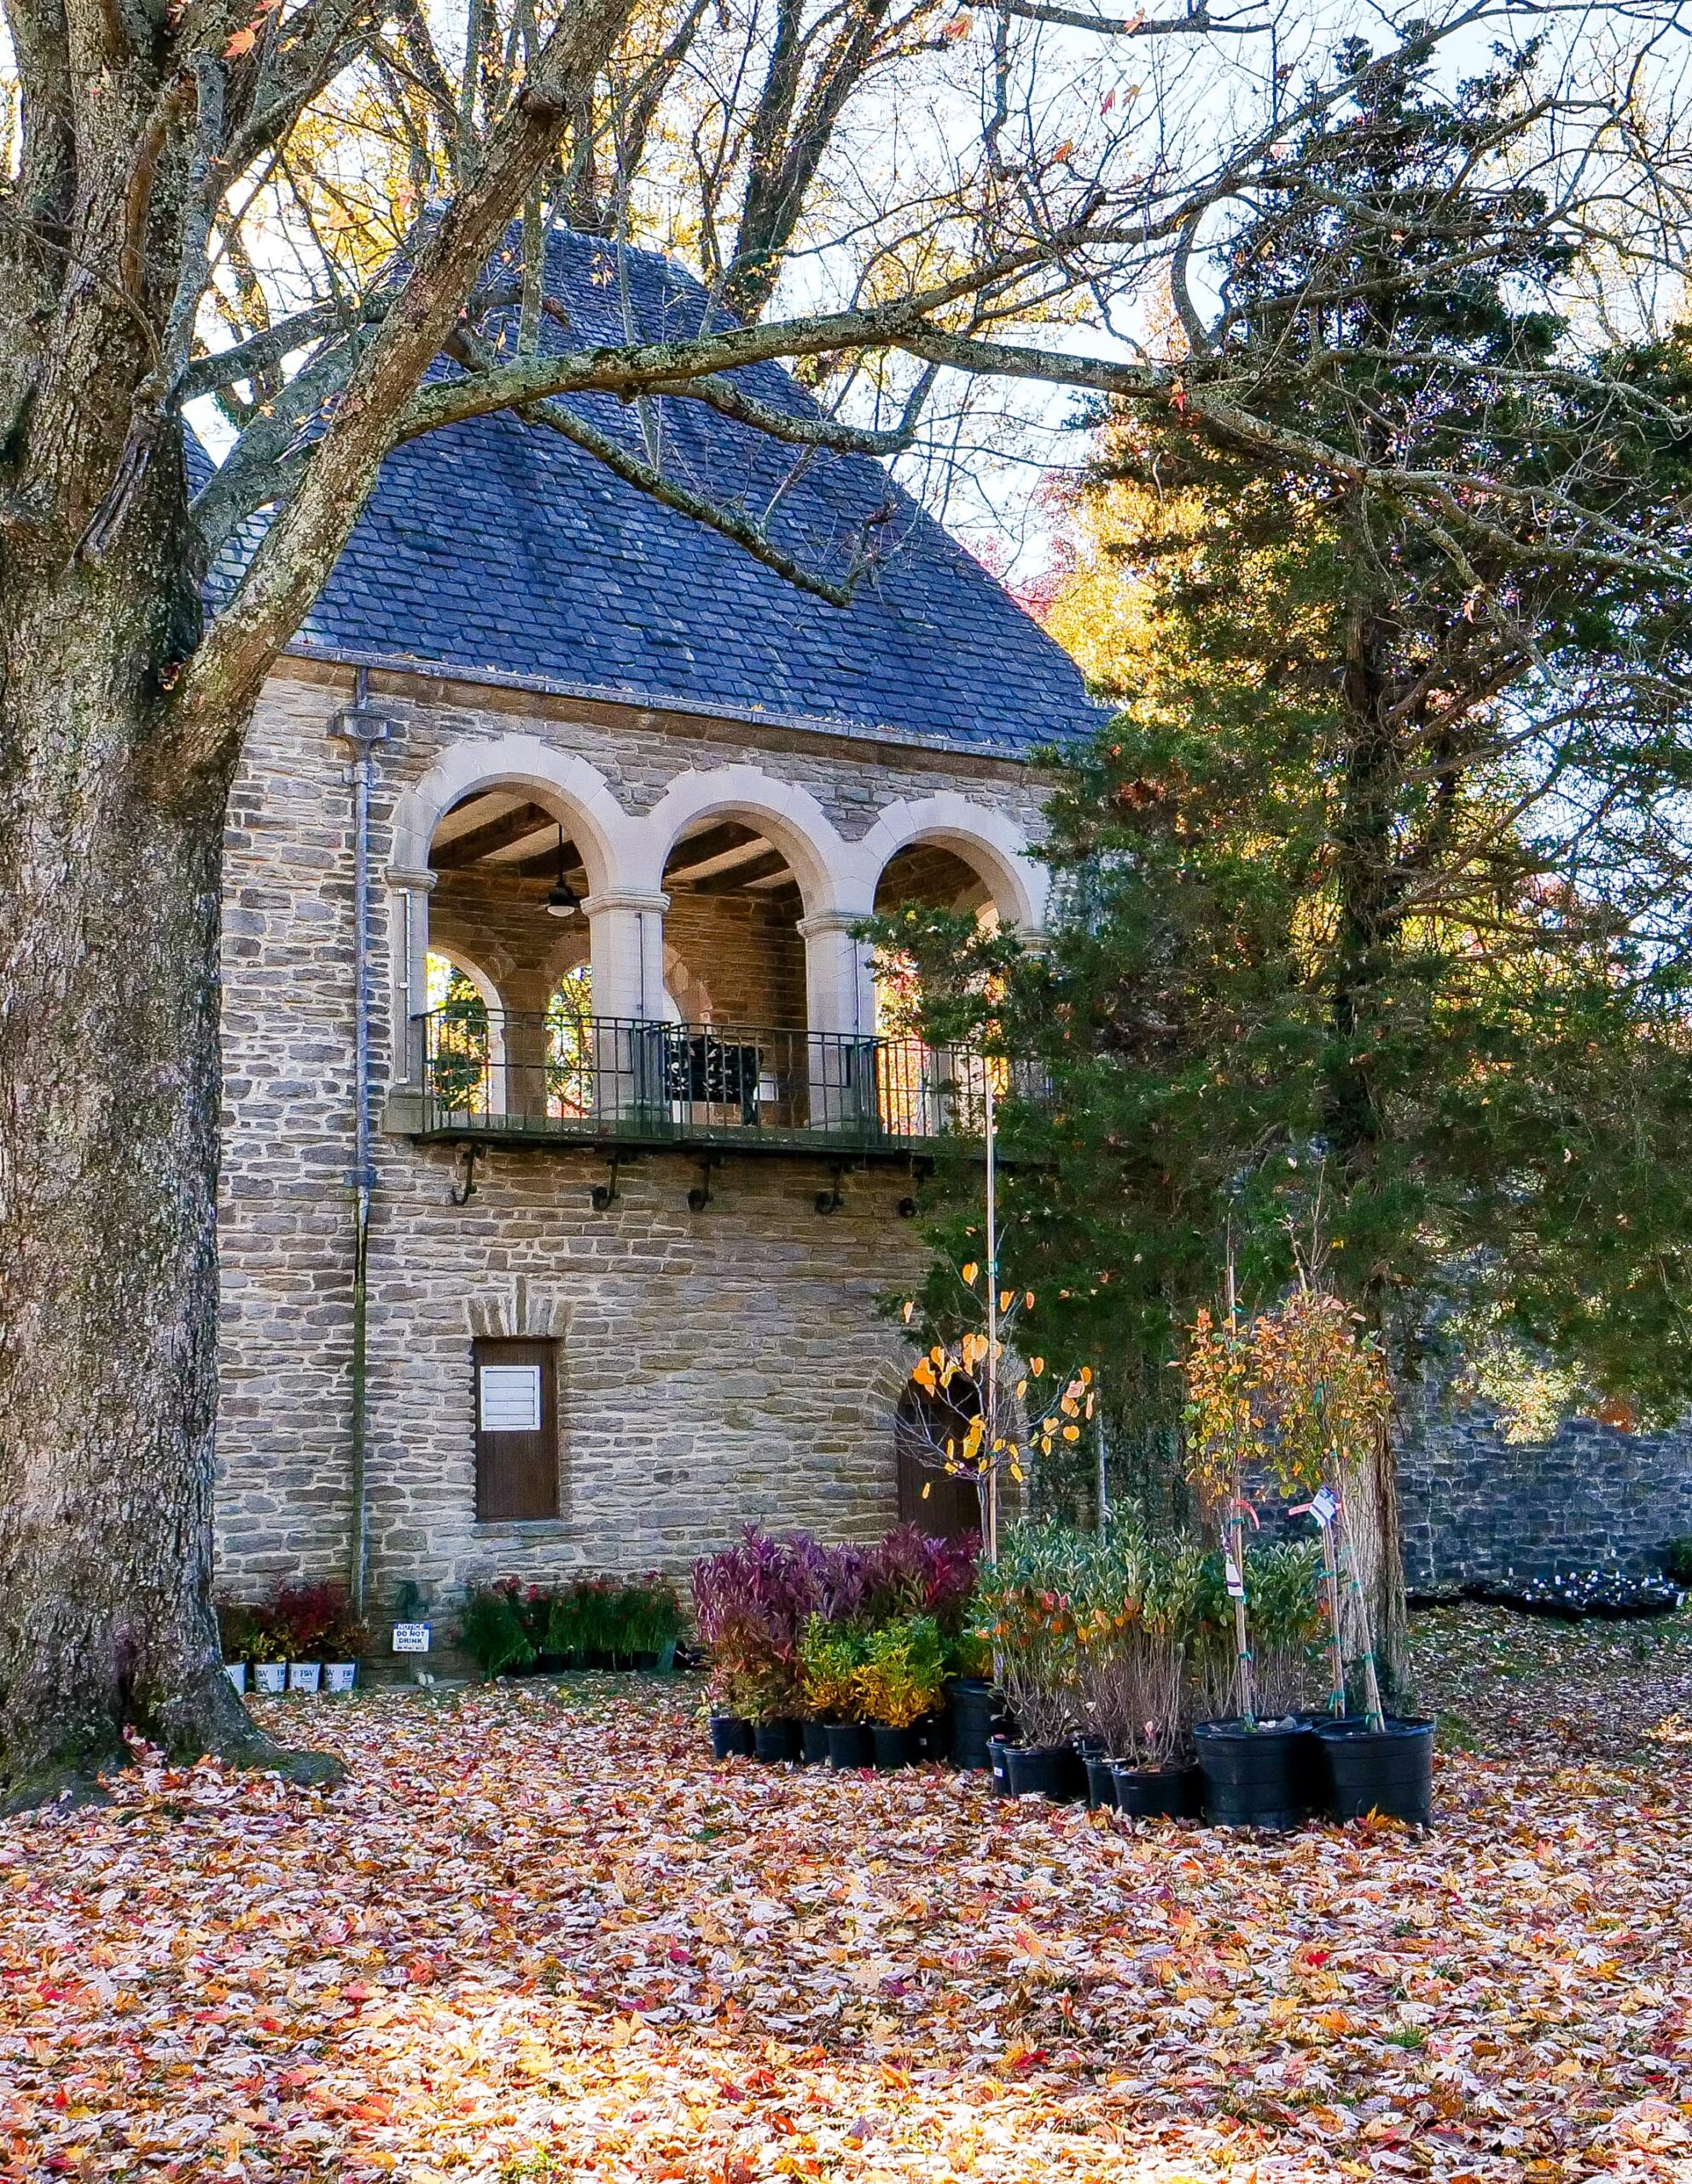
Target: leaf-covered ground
539 1934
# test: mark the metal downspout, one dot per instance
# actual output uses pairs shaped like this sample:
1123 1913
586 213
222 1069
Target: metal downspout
361 729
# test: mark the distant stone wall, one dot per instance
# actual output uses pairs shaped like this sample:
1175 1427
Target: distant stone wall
1476 1506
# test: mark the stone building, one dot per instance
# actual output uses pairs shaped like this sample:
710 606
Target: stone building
636 1154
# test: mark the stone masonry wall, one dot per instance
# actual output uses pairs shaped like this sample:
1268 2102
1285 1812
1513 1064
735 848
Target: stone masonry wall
715 1368
1477 1506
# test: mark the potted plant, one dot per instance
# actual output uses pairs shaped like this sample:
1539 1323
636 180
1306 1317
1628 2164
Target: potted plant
1026 1608
306 1613
1254 1770
901 1679
238 1633
750 1602
832 1657
1136 1596
1328 1397
492 1628
268 1654
346 1638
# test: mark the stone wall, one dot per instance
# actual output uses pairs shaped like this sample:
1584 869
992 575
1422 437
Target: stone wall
1477 1506
715 1368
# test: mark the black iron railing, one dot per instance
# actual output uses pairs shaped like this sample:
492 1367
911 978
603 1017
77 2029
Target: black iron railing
583 1077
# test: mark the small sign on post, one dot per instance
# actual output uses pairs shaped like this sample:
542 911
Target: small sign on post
411 1637
1236 1583
1325 1506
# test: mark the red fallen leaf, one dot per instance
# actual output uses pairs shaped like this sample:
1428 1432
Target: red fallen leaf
420 1971
359 1993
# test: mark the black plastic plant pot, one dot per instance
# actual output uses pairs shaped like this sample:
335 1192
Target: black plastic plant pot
974 1705
1160 1792
849 1745
730 1737
892 1747
1045 1770
813 1743
1388 1771
1253 1777
998 1762
1101 1781
931 1737
1316 1777
777 1740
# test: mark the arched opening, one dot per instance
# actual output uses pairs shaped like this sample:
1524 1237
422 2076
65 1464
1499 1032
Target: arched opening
467 1052
931 1091
946 1504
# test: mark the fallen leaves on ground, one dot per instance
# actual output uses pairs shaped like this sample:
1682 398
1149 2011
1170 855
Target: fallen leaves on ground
539 1934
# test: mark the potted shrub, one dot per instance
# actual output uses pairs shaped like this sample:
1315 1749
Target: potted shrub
832 1657
1027 1616
1327 1399
1137 1598
901 1679
306 1613
654 1622
269 1653
346 1639
751 1603
1255 1769
238 1632
492 1628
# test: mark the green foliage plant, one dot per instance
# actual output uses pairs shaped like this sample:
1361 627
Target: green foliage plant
831 1657
1136 1600
903 1673
491 1629
1027 1603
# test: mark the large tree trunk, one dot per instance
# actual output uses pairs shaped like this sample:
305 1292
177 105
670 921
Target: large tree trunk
109 1101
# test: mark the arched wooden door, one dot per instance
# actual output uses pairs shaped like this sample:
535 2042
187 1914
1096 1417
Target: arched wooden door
936 1500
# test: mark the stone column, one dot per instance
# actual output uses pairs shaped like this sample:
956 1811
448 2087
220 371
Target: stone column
409 968
839 1007
626 941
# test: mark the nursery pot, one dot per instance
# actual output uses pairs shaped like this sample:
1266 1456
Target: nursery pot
269 1676
998 1760
1158 1793
305 1676
1045 1770
236 1673
972 1720
1252 1777
932 1735
892 1747
849 1745
1315 1775
813 1743
1101 1781
777 1740
730 1737
1388 1770
340 1676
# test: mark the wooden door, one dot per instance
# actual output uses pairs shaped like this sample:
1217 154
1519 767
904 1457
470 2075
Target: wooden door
516 1400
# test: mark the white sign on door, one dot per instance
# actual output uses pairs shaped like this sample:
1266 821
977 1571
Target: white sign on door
510 1399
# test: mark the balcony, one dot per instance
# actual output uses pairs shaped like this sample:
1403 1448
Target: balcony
562 1079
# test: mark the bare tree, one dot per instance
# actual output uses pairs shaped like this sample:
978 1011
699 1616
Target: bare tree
202 201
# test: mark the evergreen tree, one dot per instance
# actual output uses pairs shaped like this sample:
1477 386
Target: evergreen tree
1370 895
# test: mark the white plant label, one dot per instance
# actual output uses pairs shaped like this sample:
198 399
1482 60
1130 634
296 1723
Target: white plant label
510 1398
1236 1583
1325 1506
410 1637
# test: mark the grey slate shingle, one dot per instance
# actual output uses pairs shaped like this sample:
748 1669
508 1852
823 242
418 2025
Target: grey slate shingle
496 548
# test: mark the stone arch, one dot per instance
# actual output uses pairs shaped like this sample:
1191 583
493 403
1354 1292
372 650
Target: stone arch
577 793
493 1000
791 817
986 839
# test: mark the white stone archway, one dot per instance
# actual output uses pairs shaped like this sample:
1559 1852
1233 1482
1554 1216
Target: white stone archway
625 921
793 819
491 1000
988 840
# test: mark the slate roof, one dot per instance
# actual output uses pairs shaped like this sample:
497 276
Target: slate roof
500 552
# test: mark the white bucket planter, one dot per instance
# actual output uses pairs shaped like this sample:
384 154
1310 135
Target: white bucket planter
340 1676
236 1673
305 1676
269 1676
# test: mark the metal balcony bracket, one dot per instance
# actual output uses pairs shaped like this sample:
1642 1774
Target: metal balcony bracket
832 1200
920 1170
699 1196
462 1187
606 1194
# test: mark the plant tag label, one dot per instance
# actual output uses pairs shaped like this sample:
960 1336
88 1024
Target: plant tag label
1236 1583
410 1637
1325 1506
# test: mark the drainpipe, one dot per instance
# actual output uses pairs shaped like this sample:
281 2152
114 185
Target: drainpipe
361 729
